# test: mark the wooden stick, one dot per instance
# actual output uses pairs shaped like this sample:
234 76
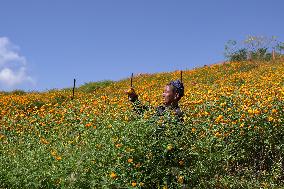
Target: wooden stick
273 54
131 80
74 89
181 76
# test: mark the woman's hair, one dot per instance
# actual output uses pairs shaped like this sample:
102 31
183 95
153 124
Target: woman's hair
177 86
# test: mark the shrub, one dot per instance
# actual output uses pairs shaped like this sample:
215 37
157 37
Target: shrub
93 86
253 48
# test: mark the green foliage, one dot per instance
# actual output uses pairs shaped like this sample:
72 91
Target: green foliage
280 47
253 48
18 92
231 137
93 86
14 92
154 154
239 55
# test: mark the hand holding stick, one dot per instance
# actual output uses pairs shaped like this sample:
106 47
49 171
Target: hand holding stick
132 96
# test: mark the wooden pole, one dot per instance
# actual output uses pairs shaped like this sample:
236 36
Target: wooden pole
180 76
131 80
273 54
249 56
74 85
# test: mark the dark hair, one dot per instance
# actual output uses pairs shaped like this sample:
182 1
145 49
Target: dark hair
178 87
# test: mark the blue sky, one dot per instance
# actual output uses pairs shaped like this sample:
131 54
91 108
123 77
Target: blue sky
44 44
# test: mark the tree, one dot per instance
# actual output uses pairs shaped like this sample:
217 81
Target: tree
253 48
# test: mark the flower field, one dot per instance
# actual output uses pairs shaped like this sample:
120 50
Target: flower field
232 135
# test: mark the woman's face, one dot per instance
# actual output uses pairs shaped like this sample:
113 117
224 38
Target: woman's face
169 95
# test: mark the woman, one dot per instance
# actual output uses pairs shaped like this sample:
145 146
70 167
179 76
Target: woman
173 92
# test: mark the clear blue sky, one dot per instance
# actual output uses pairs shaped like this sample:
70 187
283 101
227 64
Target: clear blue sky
47 43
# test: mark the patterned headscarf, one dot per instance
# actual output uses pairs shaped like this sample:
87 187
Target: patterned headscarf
179 87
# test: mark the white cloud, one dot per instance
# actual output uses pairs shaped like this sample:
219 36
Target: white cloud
13 66
12 78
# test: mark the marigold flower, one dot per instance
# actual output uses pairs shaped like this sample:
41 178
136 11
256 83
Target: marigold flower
217 134
134 184
170 147
88 124
53 153
113 175
270 118
1 136
44 141
250 111
180 179
165 187
219 118
256 111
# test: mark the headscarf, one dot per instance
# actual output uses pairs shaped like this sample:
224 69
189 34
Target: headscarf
179 87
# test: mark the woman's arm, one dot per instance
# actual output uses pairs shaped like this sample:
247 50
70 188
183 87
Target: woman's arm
137 105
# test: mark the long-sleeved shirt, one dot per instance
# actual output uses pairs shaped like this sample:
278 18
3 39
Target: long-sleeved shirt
160 110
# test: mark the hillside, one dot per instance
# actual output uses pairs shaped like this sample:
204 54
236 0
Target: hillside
232 136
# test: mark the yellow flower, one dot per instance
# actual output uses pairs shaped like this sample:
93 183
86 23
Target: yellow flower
53 153
1 136
133 183
103 97
219 118
217 134
250 111
270 118
169 147
88 124
43 141
126 118
223 104
180 179
130 160
165 187
256 111
113 175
